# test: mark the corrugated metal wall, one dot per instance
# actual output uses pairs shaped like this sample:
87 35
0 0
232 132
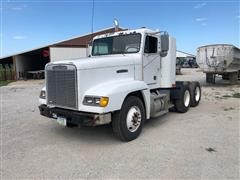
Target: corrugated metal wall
66 53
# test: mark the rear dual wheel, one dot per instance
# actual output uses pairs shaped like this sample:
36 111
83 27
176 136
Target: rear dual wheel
189 95
195 90
182 104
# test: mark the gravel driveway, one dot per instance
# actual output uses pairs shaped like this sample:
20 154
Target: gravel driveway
202 143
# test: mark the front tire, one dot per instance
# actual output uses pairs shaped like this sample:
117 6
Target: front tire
128 122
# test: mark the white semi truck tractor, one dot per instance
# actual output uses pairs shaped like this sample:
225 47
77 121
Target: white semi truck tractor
128 79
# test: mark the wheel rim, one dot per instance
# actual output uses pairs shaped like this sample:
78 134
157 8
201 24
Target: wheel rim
133 119
186 98
197 94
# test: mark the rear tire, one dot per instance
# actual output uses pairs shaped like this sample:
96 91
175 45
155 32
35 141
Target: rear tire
225 76
183 103
210 78
233 77
195 90
71 125
128 122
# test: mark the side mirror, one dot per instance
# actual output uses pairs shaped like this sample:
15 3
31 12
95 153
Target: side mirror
164 44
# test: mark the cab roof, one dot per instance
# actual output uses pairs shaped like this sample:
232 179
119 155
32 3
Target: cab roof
141 31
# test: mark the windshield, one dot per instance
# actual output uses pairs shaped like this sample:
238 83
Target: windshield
121 44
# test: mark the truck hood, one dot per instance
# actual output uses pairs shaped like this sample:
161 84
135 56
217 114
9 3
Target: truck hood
99 61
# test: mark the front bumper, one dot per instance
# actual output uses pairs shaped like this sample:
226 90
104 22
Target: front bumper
75 117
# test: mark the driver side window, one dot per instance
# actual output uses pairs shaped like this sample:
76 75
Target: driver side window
150 44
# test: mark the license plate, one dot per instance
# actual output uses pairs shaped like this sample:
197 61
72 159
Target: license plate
62 121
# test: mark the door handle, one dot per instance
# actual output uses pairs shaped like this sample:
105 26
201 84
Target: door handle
122 71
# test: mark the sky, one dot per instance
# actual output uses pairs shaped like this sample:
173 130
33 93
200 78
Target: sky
28 24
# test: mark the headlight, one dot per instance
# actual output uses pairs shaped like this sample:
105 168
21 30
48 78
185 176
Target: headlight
96 101
43 94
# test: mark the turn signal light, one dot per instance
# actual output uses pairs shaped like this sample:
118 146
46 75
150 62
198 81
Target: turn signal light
96 101
103 101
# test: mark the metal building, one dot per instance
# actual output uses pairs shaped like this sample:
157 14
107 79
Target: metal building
30 64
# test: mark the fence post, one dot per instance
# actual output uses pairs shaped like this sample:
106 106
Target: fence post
11 72
1 74
5 74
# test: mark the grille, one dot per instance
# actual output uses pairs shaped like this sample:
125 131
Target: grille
61 86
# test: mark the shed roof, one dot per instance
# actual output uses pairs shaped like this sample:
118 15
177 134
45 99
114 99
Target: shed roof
79 41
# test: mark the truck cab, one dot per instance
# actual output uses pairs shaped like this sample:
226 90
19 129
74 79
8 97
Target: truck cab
129 77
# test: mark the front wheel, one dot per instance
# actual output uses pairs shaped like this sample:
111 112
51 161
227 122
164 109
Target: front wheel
128 122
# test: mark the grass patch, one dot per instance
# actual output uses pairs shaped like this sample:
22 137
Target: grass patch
226 96
228 109
4 83
236 95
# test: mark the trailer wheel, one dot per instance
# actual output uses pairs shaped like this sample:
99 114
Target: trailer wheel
233 77
195 92
225 76
71 125
210 78
128 122
183 103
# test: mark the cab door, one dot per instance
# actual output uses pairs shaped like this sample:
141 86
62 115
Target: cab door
151 61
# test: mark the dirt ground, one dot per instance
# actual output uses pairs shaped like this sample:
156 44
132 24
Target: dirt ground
202 143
